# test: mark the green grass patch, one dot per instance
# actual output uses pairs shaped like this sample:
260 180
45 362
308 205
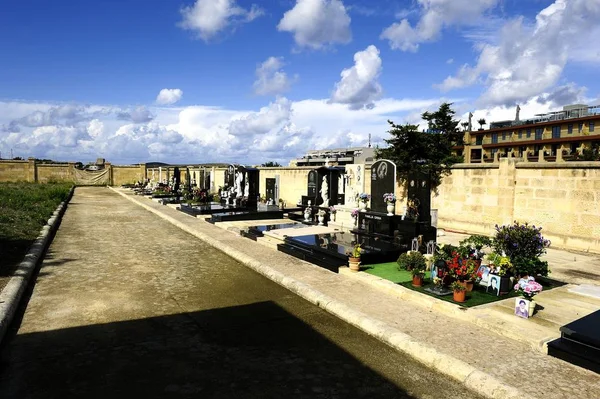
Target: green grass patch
478 296
24 210
388 271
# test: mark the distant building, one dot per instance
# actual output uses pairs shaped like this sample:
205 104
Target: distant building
568 131
336 156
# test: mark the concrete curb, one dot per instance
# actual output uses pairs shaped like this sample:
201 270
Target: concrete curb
10 296
450 366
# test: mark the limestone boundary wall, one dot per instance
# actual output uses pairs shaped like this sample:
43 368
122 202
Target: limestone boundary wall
563 198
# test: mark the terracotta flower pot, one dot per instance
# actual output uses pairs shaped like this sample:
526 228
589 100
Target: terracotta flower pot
417 281
467 284
459 296
354 263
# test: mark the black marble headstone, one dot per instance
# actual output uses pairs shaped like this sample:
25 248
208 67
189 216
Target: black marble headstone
230 176
419 190
383 180
188 180
176 179
312 184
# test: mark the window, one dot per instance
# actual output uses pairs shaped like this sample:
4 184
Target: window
479 140
528 133
555 132
539 133
580 127
503 135
520 134
494 138
591 124
570 128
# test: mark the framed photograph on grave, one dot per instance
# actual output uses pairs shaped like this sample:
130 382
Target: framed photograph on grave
522 308
484 272
493 286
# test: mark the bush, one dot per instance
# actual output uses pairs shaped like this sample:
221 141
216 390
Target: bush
523 244
411 260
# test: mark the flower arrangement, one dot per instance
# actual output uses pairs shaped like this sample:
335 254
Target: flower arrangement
523 244
332 209
354 213
528 287
364 197
463 269
500 265
438 282
355 251
412 209
389 198
322 212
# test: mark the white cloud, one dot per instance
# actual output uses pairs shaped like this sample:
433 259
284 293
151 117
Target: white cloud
169 96
280 131
359 85
435 16
530 59
263 121
137 115
271 79
209 17
317 23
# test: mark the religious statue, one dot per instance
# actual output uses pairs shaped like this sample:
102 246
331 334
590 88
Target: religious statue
341 184
238 184
518 110
246 186
325 192
470 117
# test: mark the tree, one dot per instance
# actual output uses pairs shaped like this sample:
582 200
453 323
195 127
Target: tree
465 125
271 164
481 123
415 151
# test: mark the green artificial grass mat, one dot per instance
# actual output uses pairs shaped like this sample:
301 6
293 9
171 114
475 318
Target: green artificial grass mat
478 296
388 271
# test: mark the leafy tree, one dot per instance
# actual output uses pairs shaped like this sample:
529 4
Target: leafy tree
271 164
590 154
429 152
481 123
465 125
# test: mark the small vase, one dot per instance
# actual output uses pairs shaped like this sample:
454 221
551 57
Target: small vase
321 220
459 296
362 206
390 209
531 307
467 284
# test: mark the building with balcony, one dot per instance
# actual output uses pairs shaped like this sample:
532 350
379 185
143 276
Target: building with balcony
336 156
554 136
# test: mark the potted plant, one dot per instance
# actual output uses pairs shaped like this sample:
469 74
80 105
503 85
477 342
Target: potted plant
528 288
464 270
321 215
459 291
332 211
390 200
362 199
474 246
523 245
417 277
411 260
354 257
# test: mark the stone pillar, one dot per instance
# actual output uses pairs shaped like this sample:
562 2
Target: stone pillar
506 190
541 156
32 170
467 153
143 172
108 166
496 157
559 155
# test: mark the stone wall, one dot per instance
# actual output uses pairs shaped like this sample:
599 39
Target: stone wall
11 171
54 172
563 198
127 174
293 182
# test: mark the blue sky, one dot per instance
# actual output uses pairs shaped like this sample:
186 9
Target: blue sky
255 81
